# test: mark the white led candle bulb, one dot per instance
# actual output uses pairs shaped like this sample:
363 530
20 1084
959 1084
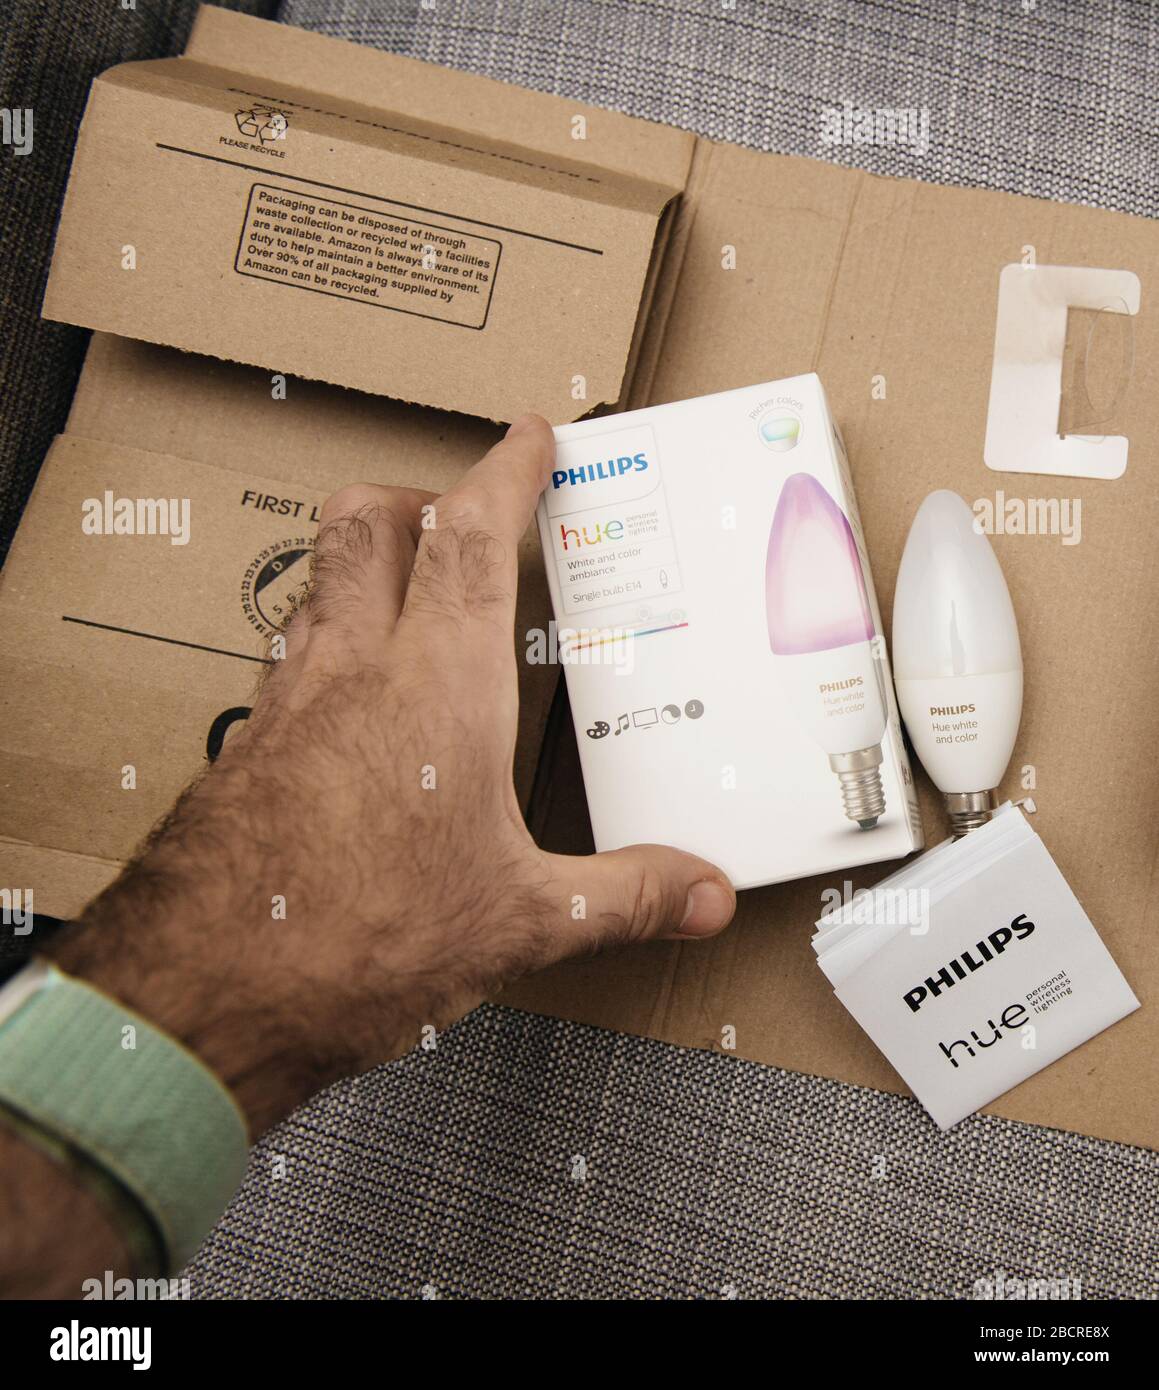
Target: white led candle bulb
821 631
956 657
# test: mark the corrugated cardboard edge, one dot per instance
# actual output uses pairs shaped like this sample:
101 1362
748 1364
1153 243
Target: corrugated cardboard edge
501 111
640 392
76 877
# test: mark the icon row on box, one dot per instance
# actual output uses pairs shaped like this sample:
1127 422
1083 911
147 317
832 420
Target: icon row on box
647 718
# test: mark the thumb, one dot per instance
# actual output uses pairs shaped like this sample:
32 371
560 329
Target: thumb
642 893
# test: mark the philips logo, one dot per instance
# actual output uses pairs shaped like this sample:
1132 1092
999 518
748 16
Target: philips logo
605 470
830 687
964 965
945 711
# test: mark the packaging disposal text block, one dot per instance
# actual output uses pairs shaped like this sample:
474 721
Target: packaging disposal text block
373 257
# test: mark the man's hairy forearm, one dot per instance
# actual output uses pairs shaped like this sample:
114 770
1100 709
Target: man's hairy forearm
186 939
159 942
179 940
53 1233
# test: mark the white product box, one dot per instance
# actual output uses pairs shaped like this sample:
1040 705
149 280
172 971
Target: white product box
721 638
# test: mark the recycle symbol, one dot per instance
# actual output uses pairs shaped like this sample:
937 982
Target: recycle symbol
262 122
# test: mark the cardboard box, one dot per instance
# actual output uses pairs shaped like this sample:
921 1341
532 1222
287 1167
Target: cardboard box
886 288
344 241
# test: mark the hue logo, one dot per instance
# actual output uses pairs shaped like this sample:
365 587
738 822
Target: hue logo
602 471
592 533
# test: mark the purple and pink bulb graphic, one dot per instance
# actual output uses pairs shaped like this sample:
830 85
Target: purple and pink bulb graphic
815 590
821 632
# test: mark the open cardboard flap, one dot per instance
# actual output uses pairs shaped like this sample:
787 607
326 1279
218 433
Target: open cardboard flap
333 238
887 288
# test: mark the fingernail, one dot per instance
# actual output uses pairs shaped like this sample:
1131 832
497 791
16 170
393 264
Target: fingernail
708 908
523 423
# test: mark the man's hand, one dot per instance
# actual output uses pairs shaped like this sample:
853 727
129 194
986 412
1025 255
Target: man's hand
371 792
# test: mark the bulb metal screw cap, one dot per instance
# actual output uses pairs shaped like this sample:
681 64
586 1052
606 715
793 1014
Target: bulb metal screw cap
861 788
969 810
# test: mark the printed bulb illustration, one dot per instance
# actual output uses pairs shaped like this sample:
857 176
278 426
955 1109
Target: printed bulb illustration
781 432
957 658
821 631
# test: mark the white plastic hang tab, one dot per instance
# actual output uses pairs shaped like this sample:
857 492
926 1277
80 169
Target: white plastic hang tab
1026 381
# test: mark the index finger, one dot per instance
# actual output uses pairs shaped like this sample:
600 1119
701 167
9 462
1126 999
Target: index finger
467 563
499 494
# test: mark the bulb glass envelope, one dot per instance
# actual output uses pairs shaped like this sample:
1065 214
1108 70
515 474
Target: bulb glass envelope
957 657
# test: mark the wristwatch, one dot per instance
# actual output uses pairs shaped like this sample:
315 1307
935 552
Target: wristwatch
135 1117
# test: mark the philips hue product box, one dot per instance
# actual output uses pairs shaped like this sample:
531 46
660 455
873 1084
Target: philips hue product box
721 638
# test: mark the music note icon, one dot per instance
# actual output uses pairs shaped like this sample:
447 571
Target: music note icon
621 724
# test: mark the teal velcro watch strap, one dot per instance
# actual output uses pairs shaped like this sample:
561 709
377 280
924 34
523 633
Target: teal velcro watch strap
135 1104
